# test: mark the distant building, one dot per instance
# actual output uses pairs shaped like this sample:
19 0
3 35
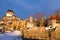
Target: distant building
11 20
30 22
42 21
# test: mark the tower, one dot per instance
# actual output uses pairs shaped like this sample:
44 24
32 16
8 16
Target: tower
9 13
41 21
53 20
31 19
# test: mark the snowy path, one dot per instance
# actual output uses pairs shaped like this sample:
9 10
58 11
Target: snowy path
16 35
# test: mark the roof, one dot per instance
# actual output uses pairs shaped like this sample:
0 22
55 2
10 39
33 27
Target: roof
53 16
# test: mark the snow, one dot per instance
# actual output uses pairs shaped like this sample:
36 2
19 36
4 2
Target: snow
8 35
15 33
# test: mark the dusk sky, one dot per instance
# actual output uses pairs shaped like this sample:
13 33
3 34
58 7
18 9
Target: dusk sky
25 8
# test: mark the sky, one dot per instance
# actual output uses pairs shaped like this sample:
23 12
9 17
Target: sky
25 8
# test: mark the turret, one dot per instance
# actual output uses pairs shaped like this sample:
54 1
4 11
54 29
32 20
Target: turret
31 19
53 20
9 13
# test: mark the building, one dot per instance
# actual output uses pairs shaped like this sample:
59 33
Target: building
11 21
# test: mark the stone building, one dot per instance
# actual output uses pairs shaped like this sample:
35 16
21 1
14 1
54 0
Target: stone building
11 20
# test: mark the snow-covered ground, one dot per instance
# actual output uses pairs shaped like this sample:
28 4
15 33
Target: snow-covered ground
15 35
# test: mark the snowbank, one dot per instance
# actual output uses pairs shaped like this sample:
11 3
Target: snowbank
15 35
